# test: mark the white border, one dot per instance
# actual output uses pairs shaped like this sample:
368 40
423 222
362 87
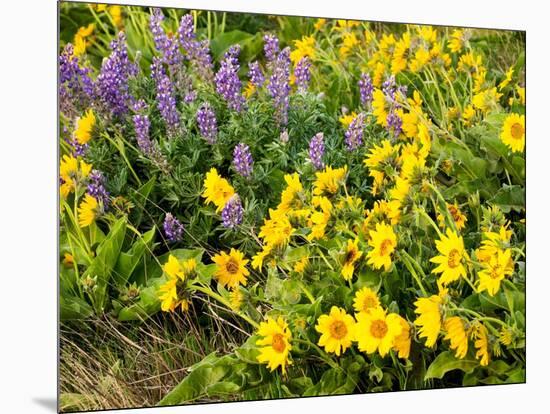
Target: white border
28 203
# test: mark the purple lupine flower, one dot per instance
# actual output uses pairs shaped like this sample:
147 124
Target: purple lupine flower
279 87
232 213
302 73
391 90
206 118
198 52
255 74
242 160
166 101
112 81
173 229
166 45
141 127
354 134
76 88
228 84
394 123
271 47
77 149
96 187
317 150
365 88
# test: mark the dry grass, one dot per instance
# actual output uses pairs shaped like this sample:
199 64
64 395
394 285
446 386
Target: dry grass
106 364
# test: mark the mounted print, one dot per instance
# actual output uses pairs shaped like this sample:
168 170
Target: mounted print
261 207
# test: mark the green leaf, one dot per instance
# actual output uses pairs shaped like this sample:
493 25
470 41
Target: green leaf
445 362
102 266
510 197
148 304
140 198
73 307
208 372
127 261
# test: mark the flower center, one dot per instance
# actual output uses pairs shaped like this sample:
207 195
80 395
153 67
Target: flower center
338 329
368 303
232 266
350 256
517 131
278 343
378 328
495 271
385 247
454 258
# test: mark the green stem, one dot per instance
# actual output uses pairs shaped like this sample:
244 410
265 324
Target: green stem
209 292
321 353
407 261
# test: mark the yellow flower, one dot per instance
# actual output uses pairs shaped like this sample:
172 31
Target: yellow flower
365 300
168 295
79 40
68 259
258 259
217 190
513 132
277 230
505 336
467 115
402 342
521 93
429 318
469 62
494 271
275 344
452 252
337 330
386 45
379 107
456 333
486 100
300 265
304 48
319 24
481 343
507 79
88 211
174 268
290 195
99 7
352 255
378 74
377 331
383 241
458 217
349 41
71 171
249 90
318 220
172 293
236 299
84 126
381 154
116 15
329 180
231 268
457 40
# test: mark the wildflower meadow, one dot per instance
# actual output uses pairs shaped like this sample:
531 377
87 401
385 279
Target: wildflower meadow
258 207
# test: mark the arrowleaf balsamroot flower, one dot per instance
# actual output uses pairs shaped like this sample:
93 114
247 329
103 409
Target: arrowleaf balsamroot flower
88 211
377 331
452 254
402 342
456 333
429 318
365 300
481 342
513 132
84 127
383 241
494 271
328 181
217 190
231 268
274 344
172 293
337 330
352 255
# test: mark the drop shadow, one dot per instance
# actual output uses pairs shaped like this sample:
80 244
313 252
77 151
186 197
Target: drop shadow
47 402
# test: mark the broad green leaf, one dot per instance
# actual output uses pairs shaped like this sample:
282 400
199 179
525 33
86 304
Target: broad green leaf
102 266
445 362
127 261
73 307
